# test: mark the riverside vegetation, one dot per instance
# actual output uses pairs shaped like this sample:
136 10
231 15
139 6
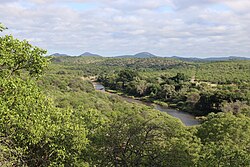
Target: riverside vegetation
52 116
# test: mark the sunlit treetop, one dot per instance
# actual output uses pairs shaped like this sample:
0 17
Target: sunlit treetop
19 56
2 27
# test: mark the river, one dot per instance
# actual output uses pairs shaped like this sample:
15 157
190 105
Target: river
186 118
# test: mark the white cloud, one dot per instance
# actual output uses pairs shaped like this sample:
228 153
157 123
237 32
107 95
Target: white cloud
164 27
239 5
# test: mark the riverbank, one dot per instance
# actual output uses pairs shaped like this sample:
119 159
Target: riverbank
186 118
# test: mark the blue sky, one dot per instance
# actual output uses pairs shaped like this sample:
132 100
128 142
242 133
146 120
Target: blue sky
189 28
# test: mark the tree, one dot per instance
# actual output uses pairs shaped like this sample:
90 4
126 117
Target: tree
2 27
126 76
137 87
192 98
144 138
180 77
33 132
19 55
234 107
168 91
226 140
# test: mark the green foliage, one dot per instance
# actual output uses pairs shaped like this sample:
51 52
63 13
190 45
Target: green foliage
142 138
180 77
33 132
105 114
36 129
225 140
65 83
179 86
224 72
2 27
19 55
60 120
114 125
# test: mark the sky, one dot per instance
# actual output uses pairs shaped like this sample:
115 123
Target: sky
188 28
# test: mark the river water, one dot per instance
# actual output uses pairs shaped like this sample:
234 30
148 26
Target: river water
186 118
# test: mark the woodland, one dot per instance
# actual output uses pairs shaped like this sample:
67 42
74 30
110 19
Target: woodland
51 115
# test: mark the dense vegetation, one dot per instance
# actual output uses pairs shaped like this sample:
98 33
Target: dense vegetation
50 115
189 88
198 88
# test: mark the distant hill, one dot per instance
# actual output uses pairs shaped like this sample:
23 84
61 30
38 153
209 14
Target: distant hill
144 55
59 54
88 54
210 58
226 58
150 55
138 55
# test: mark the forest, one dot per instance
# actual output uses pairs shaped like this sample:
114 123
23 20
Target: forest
51 115
197 88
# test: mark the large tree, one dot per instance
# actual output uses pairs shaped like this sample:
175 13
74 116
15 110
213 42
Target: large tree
18 56
32 131
144 138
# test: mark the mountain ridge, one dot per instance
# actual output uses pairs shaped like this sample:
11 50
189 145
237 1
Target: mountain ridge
150 55
138 55
88 54
59 54
211 58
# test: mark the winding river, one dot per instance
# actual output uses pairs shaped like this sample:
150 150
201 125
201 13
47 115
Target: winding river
186 118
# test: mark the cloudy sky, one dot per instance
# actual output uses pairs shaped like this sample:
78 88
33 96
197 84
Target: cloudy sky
189 28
